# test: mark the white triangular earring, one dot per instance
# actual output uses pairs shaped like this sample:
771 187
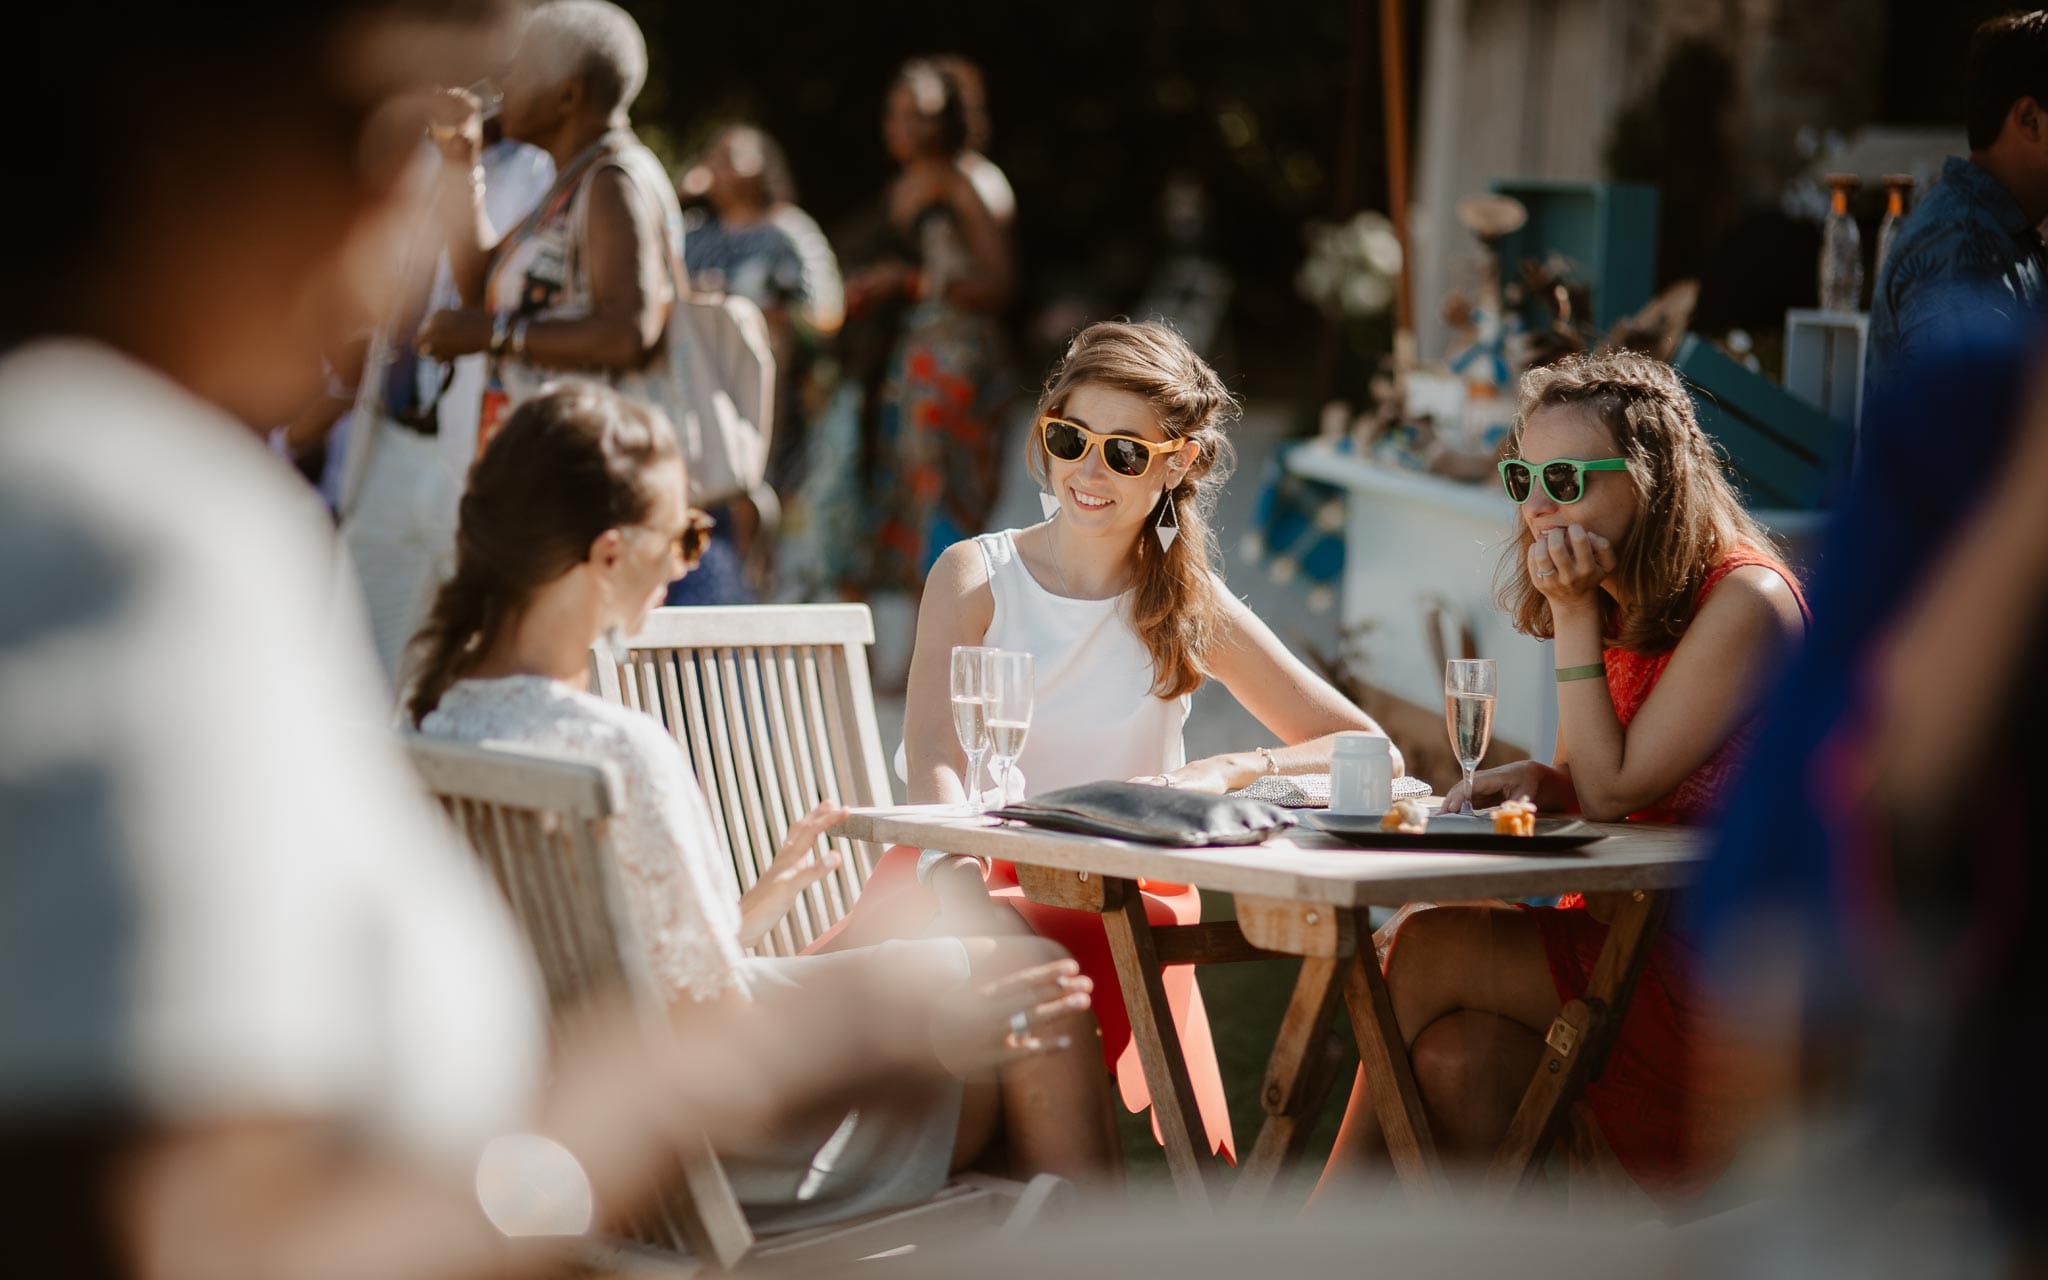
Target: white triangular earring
1048 503
1168 527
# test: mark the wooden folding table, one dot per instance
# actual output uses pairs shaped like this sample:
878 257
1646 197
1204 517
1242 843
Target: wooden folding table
1304 894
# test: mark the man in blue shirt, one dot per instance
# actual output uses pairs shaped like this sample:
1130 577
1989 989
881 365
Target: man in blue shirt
1972 247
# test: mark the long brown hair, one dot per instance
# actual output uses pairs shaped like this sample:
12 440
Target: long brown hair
1175 605
1689 516
569 464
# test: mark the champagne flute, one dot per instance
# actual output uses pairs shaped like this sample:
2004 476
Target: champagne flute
490 100
1010 691
1470 688
970 711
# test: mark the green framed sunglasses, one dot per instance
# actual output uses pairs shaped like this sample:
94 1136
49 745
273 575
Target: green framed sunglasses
1564 479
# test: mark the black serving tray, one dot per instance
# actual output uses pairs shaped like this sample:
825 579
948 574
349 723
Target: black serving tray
1454 834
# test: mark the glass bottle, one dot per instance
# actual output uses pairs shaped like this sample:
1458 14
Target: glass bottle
1898 188
1841 250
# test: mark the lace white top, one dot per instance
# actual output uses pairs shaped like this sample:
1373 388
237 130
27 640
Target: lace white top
684 893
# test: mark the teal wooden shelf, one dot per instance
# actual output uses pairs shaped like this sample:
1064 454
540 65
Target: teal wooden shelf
1607 229
1783 452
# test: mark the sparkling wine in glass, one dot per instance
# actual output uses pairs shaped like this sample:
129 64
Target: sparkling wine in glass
1010 691
1471 686
970 711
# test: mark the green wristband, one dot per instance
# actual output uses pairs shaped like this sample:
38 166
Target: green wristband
1591 671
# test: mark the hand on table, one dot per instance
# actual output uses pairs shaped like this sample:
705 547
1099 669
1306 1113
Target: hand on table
1539 782
1213 776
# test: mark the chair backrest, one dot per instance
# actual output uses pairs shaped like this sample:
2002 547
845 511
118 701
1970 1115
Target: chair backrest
773 706
541 825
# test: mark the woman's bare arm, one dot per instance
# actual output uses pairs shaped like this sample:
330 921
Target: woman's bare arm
1298 706
957 608
627 258
1705 694
471 241
987 286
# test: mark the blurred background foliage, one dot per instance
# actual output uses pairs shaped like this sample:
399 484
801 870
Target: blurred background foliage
1273 108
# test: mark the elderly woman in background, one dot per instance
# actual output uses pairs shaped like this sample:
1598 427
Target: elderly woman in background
587 281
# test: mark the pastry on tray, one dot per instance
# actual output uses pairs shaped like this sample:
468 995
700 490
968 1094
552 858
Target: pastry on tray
1515 818
1407 817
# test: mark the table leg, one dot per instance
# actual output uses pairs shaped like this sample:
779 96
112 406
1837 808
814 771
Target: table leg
1577 1044
1298 1077
1159 1048
1383 1056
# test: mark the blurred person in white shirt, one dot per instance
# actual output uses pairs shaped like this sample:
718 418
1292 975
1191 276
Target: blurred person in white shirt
401 480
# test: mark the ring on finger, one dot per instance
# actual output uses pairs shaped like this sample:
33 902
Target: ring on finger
1546 573
1020 1026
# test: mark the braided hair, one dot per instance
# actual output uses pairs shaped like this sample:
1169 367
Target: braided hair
1690 515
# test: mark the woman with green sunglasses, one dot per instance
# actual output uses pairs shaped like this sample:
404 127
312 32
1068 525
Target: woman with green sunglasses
1668 610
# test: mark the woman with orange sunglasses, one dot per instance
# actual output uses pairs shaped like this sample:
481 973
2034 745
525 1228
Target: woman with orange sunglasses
1117 597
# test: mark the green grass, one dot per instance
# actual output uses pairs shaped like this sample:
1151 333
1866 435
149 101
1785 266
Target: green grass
1246 1003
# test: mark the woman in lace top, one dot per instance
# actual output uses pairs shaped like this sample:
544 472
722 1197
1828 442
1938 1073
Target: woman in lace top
573 526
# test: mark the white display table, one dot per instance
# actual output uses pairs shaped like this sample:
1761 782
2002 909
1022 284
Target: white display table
1412 540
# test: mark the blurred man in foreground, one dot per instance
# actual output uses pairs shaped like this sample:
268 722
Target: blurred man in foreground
259 1015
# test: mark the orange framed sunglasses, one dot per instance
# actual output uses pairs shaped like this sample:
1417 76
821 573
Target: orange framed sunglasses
1126 455
695 539
691 542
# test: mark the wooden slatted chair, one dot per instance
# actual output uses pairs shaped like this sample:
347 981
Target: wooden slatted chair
540 824
773 706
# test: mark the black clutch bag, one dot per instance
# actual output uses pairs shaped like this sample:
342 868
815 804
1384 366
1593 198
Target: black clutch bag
1151 815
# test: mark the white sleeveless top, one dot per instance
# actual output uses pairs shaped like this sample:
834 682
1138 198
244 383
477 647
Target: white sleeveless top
1095 718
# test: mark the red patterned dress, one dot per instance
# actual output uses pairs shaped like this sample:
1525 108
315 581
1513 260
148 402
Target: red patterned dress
1654 1113
937 422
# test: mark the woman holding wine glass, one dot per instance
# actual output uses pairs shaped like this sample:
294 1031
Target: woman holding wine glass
1669 611
1116 601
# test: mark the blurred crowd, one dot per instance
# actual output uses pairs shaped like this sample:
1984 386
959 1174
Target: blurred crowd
879 434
